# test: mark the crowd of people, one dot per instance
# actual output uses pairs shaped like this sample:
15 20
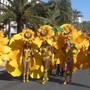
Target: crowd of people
64 48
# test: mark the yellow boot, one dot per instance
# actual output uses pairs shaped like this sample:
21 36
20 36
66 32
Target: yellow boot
65 78
65 82
45 78
24 77
27 77
43 81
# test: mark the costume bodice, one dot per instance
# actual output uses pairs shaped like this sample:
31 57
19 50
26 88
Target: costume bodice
46 53
69 55
27 54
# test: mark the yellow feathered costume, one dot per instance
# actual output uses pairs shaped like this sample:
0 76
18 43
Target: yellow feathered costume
78 39
14 65
83 58
45 33
4 49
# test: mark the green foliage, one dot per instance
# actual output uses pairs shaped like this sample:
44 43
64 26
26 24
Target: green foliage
23 12
60 12
86 26
33 15
76 15
66 12
54 11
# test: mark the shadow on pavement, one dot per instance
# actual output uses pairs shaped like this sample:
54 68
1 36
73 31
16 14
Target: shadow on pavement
80 85
56 79
4 75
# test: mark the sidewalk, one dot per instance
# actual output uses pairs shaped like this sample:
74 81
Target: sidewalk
2 68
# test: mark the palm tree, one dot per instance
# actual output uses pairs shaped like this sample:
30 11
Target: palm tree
18 11
29 14
54 11
66 12
60 11
40 15
86 26
75 19
76 15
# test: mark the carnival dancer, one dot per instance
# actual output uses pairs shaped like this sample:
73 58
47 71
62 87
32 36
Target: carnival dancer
88 37
47 56
45 33
89 56
59 41
21 58
69 62
4 49
75 58
27 54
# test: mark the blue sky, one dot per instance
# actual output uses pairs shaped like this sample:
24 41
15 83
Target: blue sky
81 5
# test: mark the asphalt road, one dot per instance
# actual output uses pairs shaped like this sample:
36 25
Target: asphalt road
80 81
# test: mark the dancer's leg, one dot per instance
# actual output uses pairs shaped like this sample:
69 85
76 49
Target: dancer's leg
24 70
45 78
27 71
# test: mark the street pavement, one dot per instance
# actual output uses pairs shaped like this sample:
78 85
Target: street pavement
80 81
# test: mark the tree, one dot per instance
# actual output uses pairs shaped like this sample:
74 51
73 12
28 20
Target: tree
76 15
60 11
66 12
75 19
86 26
18 11
54 11
28 14
40 15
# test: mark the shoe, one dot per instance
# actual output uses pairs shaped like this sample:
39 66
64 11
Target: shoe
23 80
43 82
27 80
47 79
65 82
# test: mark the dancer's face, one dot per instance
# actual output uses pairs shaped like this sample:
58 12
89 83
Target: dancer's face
68 42
27 44
44 43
